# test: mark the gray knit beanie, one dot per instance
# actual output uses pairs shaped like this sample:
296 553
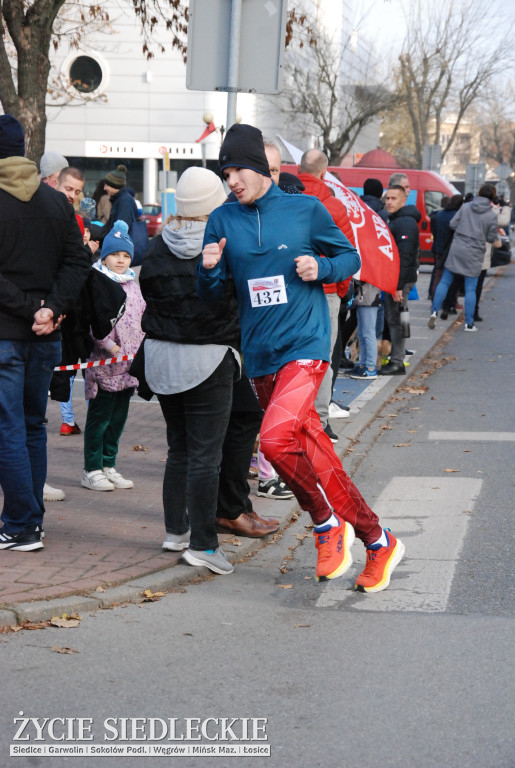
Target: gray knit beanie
199 191
52 162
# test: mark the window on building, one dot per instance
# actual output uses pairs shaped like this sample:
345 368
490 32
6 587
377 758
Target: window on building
85 74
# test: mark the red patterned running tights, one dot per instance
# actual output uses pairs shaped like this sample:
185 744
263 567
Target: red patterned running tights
293 440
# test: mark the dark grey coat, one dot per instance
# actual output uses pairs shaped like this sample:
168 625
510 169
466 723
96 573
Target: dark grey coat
475 225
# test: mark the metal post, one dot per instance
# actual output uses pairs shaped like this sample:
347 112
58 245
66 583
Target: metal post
234 62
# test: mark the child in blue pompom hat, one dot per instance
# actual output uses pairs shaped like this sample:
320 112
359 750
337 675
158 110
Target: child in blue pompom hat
109 387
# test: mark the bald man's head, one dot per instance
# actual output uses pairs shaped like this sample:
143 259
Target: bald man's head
314 162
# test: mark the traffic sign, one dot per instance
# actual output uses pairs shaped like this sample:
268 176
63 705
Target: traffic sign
262 32
503 171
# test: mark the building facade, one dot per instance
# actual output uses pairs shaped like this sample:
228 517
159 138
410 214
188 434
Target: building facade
122 108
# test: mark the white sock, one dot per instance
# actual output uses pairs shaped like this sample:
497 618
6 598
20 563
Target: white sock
333 522
382 541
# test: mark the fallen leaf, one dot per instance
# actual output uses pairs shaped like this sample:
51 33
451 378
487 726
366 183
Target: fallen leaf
56 649
412 431
308 577
100 589
138 448
64 623
466 450
235 541
34 624
385 426
285 586
402 445
188 634
467 511
283 570
152 597
453 470
416 390
297 626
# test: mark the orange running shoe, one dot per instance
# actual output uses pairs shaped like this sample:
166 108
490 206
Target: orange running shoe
380 565
334 556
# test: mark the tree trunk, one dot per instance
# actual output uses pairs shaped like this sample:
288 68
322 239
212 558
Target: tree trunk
30 31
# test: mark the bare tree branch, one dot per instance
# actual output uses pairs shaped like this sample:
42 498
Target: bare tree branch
451 53
318 93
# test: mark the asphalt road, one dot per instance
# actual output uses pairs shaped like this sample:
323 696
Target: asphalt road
418 676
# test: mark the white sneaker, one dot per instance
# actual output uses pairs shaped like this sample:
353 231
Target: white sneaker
432 320
470 328
96 481
53 494
335 412
216 562
176 542
116 478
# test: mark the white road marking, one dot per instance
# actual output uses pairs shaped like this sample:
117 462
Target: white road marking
368 393
477 436
430 515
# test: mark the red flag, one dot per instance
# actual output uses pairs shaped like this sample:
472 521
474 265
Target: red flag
374 241
209 129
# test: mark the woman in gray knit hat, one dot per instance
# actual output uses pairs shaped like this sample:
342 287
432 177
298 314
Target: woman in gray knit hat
191 359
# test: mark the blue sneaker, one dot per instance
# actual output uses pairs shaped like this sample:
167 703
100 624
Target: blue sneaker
364 373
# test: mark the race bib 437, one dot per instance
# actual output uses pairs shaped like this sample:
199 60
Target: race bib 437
267 291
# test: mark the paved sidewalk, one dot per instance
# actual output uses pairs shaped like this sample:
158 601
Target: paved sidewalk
105 548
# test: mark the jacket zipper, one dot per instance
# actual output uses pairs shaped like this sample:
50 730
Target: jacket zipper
259 227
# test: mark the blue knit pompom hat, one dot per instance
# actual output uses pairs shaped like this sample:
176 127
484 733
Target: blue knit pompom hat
118 240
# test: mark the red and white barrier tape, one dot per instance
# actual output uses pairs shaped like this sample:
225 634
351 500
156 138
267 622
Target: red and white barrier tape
94 363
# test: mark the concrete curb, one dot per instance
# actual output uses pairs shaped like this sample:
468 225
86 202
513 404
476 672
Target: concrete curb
167 580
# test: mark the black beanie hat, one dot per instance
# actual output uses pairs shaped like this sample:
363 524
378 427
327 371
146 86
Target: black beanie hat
118 178
12 138
243 148
373 187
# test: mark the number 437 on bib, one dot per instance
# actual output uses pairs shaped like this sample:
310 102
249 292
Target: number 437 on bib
267 291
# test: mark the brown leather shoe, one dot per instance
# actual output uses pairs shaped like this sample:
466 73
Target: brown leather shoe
245 525
266 520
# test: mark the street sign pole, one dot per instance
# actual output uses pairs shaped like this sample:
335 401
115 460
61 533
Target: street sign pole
234 62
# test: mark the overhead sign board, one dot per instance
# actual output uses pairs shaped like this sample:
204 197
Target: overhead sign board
143 149
261 45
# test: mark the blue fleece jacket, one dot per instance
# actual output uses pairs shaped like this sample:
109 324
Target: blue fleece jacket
263 239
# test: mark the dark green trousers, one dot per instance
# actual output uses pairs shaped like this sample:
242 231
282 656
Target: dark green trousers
107 414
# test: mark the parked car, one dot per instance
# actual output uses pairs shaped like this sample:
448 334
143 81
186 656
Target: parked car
151 214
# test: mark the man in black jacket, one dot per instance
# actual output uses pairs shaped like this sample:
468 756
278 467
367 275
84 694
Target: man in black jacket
43 265
403 223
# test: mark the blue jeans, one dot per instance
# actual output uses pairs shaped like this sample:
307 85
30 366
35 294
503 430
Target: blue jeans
367 318
67 408
25 372
470 294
